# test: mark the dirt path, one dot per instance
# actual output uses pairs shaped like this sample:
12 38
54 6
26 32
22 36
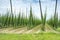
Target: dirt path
37 29
11 30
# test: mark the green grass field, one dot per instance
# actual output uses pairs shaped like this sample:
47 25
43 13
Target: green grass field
20 25
40 36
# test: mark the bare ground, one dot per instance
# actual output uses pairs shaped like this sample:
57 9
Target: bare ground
37 29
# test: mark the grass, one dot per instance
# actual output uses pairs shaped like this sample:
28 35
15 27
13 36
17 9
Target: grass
40 36
20 21
58 29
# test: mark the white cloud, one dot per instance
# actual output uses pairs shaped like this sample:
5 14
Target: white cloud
19 4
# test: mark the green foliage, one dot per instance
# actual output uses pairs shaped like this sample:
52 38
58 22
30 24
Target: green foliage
56 16
59 22
56 20
43 18
58 29
53 21
9 20
50 21
41 10
19 19
30 19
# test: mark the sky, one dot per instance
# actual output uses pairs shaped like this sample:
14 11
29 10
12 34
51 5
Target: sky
24 6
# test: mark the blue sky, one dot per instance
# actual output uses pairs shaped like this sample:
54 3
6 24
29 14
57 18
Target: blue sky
25 4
